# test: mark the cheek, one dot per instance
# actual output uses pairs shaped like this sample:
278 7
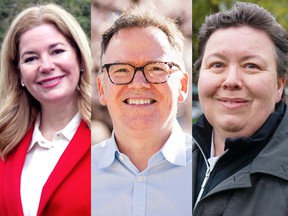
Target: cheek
110 94
77 75
72 65
73 71
27 74
170 91
207 85
70 62
264 88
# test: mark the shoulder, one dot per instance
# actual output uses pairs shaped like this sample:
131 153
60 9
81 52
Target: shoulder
264 184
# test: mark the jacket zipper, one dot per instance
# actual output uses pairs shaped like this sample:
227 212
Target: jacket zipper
207 174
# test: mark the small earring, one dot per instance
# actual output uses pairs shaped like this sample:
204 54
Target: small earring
22 84
82 70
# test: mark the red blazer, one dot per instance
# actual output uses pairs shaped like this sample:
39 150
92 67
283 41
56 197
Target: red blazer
68 188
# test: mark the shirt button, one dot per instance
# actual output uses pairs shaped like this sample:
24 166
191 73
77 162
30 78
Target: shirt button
58 134
140 178
121 157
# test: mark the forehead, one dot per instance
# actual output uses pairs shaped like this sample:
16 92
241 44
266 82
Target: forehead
136 43
240 39
45 31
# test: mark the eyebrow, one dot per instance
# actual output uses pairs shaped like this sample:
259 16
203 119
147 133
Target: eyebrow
243 58
247 57
51 46
214 55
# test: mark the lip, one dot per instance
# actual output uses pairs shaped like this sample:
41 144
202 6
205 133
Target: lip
139 101
50 82
233 103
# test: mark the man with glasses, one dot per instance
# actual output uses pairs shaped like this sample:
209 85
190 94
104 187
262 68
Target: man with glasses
145 167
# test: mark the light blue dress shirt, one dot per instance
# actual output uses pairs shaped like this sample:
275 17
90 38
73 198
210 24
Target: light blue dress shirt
164 188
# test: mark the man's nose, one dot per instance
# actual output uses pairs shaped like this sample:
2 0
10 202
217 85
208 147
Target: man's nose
139 80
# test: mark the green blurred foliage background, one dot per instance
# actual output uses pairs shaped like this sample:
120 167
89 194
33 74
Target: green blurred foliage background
202 8
80 9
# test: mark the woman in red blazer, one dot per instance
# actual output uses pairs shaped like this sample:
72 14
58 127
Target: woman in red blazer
45 114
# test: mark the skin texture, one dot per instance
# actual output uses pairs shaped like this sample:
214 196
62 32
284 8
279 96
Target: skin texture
238 84
146 126
50 71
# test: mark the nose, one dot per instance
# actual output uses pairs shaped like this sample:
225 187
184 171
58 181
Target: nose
233 79
139 81
46 65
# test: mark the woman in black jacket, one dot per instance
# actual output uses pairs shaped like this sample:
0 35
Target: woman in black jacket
240 143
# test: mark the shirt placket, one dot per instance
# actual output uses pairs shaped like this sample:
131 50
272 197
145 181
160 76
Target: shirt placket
139 194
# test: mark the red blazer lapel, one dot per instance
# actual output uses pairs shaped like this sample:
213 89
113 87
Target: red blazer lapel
12 170
75 151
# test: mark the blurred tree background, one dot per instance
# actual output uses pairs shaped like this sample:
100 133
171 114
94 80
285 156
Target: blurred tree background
202 8
80 9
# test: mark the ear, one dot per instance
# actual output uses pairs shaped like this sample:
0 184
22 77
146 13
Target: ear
101 89
183 88
280 88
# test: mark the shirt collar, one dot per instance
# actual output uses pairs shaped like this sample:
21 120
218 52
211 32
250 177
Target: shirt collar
71 127
174 150
110 153
68 132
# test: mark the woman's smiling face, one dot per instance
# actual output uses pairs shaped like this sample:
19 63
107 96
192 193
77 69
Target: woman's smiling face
238 83
48 64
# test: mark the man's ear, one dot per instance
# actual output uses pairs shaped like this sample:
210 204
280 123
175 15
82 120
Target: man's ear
101 89
183 88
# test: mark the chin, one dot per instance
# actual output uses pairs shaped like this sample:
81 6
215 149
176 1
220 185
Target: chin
143 125
233 129
232 124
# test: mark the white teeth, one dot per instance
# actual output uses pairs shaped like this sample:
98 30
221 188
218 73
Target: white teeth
139 101
49 82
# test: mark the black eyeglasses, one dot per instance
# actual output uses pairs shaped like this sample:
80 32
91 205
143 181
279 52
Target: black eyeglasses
154 72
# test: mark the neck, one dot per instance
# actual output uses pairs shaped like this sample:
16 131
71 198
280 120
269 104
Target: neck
219 142
141 145
54 119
